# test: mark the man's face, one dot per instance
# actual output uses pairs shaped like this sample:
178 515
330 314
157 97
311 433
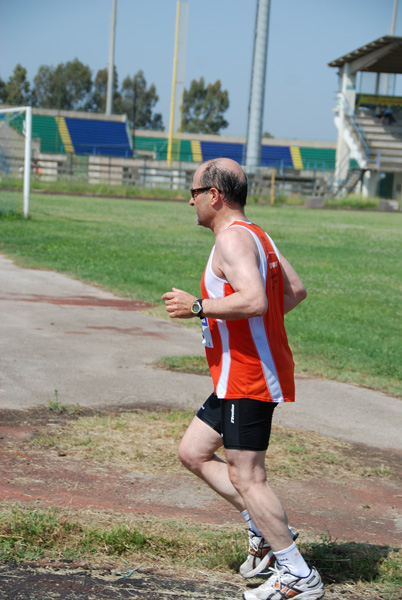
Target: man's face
199 199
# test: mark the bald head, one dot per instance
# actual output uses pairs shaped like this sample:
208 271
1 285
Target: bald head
228 177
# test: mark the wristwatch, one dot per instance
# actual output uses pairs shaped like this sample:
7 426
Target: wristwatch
196 308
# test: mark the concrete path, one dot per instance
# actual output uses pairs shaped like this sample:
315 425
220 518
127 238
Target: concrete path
96 349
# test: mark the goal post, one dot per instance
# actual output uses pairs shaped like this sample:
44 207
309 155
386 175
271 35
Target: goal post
10 153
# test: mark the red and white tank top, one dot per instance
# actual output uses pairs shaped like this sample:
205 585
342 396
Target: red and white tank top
250 358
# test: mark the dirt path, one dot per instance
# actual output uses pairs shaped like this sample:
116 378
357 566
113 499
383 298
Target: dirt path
58 582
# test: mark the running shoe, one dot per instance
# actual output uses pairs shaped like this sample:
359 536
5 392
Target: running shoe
283 585
260 555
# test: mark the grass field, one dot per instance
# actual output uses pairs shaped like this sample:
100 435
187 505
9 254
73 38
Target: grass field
348 329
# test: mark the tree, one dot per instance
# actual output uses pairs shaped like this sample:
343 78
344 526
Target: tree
16 91
2 91
138 102
203 107
43 93
99 95
67 86
74 84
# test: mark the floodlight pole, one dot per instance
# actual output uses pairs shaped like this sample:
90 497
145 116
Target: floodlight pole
393 22
173 100
179 61
110 76
392 32
257 91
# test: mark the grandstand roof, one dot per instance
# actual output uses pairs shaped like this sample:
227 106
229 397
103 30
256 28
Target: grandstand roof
384 55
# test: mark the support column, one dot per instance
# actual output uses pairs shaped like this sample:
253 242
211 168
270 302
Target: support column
371 182
346 106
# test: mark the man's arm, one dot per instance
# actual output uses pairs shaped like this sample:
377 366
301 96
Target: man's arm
235 259
293 286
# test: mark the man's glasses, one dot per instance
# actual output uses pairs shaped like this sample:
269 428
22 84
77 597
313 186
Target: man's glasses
196 191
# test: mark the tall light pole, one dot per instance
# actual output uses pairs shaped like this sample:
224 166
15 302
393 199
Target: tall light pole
390 80
179 62
257 91
393 22
110 73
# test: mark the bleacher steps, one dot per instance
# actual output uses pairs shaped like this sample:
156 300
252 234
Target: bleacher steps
384 141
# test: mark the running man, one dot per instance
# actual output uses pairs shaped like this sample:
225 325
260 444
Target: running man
246 289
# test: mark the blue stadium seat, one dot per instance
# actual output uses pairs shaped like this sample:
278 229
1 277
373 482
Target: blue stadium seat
106 138
271 156
276 156
212 150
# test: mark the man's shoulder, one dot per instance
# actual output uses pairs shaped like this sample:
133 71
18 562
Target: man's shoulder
244 228
236 231
236 239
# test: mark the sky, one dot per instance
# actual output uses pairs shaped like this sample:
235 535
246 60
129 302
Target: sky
304 35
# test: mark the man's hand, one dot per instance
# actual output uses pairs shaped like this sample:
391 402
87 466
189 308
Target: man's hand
178 304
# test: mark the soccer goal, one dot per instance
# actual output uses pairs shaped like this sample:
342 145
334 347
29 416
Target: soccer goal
15 151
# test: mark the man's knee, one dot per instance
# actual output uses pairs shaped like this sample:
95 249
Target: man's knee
187 456
247 486
192 456
238 480
198 445
244 479
195 456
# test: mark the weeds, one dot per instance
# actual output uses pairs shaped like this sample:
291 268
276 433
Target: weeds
197 365
355 201
55 406
115 439
33 534
26 535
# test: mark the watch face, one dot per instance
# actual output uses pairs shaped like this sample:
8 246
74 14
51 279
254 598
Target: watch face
196 308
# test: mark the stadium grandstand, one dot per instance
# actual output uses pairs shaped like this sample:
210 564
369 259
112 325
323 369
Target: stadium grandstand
101 149
368 117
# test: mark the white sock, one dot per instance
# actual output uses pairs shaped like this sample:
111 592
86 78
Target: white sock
251 525
292 561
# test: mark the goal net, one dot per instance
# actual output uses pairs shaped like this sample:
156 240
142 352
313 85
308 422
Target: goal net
15 159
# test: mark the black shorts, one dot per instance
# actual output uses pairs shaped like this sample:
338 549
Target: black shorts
243 423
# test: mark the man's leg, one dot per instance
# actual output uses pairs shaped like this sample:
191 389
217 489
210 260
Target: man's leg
197 453
246 471
292 577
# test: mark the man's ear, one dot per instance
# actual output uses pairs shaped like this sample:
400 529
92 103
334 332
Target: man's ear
215 197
